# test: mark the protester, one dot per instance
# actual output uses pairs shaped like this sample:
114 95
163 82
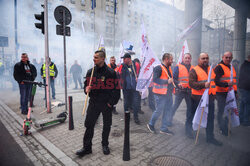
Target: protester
52 73
104 92
198 78
76 71
162 89
222 81
244 88
24 70
113 66
128 73
183 91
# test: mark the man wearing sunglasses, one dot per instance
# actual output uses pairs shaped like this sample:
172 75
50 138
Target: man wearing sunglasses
222 81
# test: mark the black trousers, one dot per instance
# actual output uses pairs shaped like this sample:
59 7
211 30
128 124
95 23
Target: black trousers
93 112
210 118
221 102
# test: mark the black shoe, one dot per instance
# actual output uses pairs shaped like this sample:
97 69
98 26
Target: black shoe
214 141
106 150
24 112
82 152
190 134
224 132
151 128
137 121
114 111
140 112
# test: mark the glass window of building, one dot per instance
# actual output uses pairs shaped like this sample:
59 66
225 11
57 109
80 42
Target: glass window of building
107 8
83 2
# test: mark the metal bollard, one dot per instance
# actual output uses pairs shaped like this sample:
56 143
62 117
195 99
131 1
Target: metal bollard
126 145
71 122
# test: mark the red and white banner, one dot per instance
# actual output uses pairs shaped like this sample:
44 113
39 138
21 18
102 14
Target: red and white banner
184 50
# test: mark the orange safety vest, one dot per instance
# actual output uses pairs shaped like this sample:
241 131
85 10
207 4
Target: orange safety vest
202 76
226 78
162 89
183 75
109 65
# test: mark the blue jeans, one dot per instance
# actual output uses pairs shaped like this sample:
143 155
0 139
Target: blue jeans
25 91
178 99
163 105
131 99
244 105
52 85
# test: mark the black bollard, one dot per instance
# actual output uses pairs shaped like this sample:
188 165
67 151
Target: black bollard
126 145
71 122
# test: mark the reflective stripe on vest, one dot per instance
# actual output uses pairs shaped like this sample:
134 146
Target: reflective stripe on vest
202 77
51 70
226 78
162 89
183 75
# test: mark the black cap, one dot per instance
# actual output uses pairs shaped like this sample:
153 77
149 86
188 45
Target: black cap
127 55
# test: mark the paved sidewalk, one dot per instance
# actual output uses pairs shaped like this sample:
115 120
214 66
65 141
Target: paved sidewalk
144 145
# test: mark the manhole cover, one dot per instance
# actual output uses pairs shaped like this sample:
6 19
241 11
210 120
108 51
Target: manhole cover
169 161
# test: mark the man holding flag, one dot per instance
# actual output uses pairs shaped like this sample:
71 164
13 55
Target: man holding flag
222 81
162 89
183 91
198 81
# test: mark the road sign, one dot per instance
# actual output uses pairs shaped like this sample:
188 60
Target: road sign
59 30
58 14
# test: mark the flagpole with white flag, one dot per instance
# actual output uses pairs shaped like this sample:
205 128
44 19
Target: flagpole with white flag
184 50
231 110
201 113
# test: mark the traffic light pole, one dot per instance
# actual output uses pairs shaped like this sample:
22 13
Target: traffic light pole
46 35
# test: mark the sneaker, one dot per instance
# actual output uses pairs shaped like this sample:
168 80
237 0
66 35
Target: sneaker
151 128
214 141
166 132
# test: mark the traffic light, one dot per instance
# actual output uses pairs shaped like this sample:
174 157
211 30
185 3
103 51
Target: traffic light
40 17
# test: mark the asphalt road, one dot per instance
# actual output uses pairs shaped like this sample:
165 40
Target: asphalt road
10 152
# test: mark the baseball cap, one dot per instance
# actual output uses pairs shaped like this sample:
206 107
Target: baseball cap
127 55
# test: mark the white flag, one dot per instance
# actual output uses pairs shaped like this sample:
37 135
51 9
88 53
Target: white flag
204 102
144 42
189 29
101 46
231 104
146 71
121 52
184 50
101 43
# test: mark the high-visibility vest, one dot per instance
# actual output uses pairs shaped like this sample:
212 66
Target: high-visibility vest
109 65
202 76
51 70
162 89
226 78
183 77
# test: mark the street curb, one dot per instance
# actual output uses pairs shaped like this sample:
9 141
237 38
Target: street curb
61 156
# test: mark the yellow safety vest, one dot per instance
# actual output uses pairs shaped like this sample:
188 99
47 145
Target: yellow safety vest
51 70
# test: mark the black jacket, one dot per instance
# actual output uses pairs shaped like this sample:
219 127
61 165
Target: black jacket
105 85
244 78
20 73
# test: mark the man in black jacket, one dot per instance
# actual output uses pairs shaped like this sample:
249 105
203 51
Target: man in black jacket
244 88
104 93
24 70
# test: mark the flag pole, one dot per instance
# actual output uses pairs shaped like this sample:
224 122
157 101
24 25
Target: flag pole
173 80
86 99
197 134
229 123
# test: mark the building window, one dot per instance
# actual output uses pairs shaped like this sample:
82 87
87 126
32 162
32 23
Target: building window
73 1
107 8
129 13
111 9
83 2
